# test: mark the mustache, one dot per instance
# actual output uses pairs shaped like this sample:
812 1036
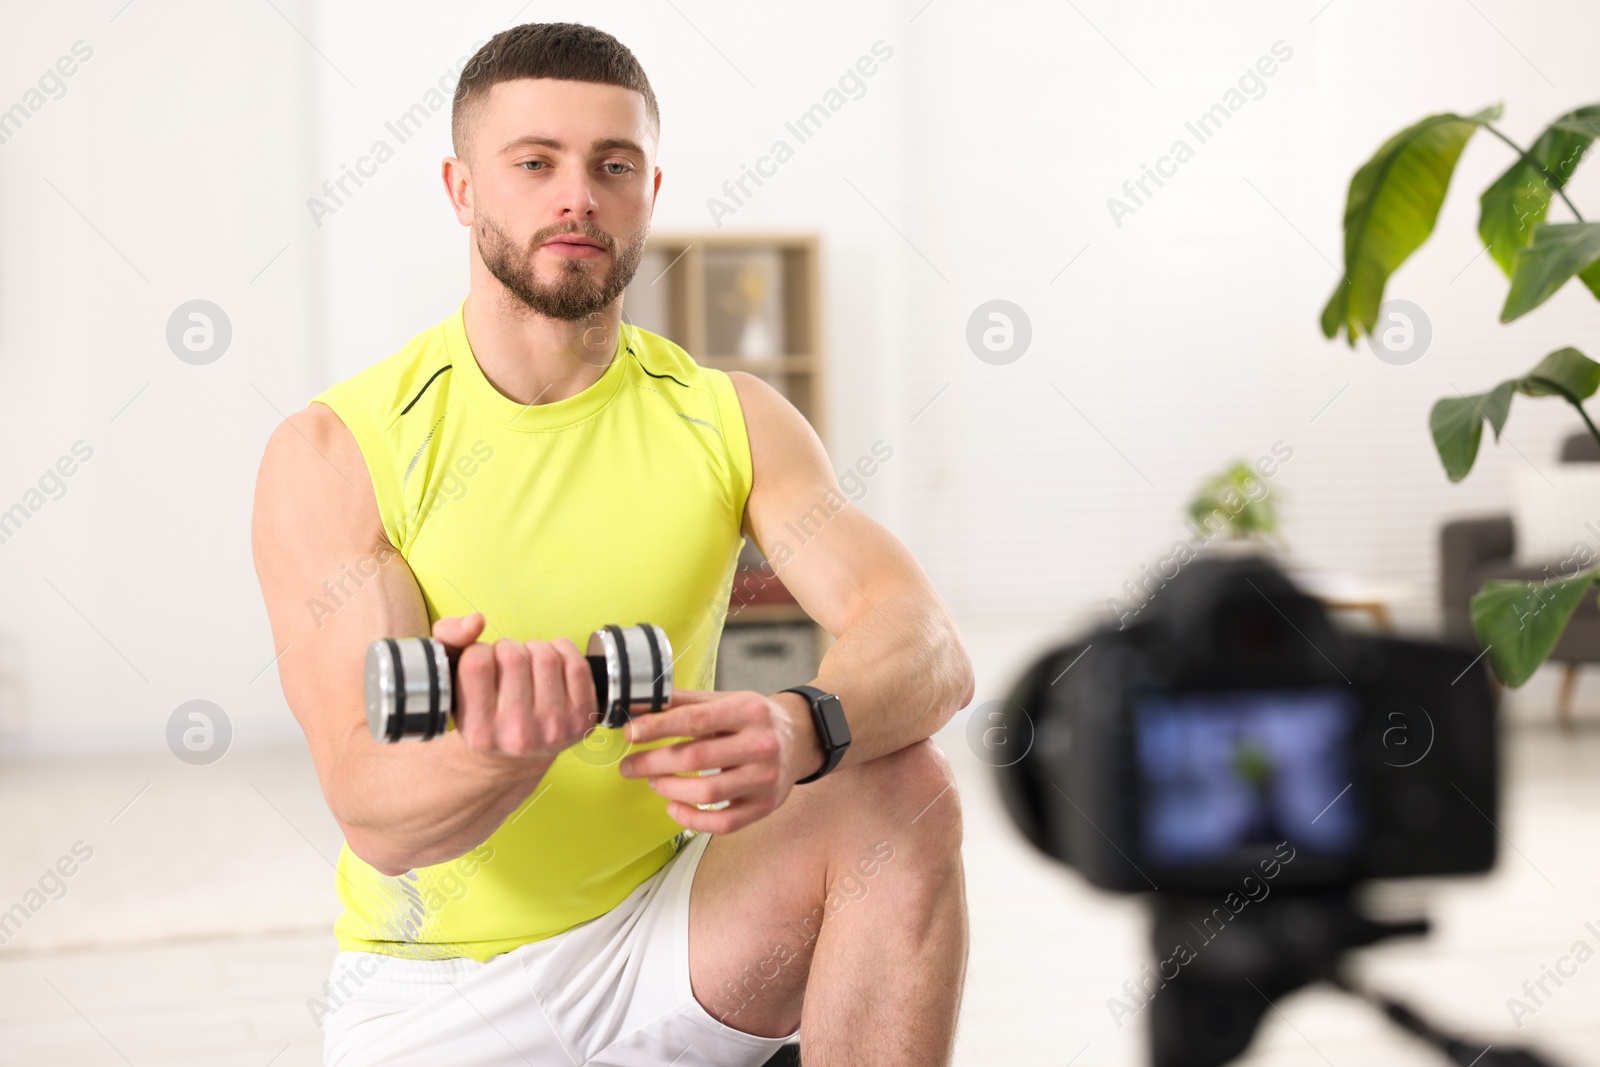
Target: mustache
593 233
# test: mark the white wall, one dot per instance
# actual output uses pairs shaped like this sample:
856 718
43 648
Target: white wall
1189 334
984 151
167 171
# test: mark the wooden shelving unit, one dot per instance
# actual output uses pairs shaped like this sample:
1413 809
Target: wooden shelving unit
682 291
748 302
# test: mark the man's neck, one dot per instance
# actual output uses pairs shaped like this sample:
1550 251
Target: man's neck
532 359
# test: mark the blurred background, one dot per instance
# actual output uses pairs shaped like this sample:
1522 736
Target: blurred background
953 263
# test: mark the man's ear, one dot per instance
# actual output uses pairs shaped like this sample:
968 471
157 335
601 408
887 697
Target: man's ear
457 177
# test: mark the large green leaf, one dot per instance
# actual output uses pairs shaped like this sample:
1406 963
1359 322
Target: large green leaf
1457 422
1497 405
1390 210
1519 198
1564 372
1457 426
1557 252
1583 120
1518 623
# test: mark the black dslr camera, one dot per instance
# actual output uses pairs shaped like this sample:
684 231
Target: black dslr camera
1247 763
1178 754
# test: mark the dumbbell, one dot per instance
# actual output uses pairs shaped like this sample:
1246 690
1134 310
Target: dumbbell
411 681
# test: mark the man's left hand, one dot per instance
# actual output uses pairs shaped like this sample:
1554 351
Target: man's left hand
761 744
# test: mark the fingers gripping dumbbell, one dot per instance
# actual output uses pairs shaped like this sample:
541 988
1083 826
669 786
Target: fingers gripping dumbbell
411 681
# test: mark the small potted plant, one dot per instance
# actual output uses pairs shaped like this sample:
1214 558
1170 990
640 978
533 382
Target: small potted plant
1237 503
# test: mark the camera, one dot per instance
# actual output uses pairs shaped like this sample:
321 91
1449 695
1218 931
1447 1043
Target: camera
1179 754
1247 765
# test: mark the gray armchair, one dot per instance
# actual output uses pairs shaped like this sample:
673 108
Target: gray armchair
1476 549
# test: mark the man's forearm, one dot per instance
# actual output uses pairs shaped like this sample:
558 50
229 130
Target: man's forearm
397 817
900 671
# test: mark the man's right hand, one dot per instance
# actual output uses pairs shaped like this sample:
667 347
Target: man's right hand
524 701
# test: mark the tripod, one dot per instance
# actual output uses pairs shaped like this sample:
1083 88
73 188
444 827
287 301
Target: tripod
1221 970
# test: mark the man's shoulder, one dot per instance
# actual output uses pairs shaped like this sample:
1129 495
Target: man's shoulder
396 383
661 357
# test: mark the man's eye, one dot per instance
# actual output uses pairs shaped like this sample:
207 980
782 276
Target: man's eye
530 163
624 166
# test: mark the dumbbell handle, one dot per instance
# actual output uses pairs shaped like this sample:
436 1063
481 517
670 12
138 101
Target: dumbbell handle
411 681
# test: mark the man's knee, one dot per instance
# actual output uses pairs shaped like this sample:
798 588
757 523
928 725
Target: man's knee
914 791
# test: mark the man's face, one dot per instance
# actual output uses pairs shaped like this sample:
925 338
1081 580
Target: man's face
563 188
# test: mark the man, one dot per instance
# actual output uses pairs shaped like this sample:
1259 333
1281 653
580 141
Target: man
525 472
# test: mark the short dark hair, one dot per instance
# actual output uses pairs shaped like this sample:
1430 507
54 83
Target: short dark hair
565 50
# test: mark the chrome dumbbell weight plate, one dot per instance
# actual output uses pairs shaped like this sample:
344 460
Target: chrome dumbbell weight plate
410 689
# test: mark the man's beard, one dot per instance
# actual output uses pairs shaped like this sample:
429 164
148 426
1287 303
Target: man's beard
575 294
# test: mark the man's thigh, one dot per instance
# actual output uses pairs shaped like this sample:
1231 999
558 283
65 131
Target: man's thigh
762 894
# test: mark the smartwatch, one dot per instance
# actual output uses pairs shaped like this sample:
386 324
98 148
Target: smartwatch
833 733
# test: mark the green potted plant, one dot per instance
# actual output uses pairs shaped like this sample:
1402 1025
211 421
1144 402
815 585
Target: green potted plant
1390 210
1236 502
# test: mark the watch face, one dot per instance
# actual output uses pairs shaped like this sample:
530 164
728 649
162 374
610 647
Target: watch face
833 721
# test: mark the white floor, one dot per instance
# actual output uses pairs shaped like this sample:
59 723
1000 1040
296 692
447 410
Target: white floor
198 929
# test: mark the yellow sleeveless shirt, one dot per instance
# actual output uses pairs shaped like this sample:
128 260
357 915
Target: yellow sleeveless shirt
620 504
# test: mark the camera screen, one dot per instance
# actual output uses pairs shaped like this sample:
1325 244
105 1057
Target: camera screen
1228 774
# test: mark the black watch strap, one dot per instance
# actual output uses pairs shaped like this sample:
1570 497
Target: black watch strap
833 733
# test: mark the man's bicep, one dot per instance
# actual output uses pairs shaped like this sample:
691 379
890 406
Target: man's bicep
331 581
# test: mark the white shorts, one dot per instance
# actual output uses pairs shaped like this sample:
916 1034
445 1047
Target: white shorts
613 992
